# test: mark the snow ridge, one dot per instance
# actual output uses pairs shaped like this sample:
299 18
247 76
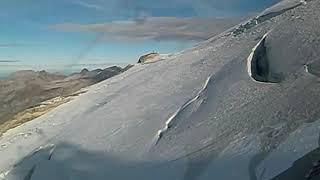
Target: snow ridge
268 14
171 120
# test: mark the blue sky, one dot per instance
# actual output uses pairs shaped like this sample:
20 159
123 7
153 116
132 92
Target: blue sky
47 34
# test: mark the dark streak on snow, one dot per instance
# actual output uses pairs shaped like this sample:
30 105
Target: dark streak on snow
30 173
51 153
253 164
50 147
48 150
307 167
200 150
98 106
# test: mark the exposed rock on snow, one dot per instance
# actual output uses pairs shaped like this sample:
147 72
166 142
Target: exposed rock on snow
152 57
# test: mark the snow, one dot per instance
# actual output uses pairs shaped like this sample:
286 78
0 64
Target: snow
217 122
252 55
182 110
282 5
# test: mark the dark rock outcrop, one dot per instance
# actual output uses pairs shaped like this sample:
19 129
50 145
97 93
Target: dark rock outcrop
127 67
107 73
150 57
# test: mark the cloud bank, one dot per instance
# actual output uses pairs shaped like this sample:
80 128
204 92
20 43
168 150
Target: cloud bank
85 4
8 45
8 61
154 28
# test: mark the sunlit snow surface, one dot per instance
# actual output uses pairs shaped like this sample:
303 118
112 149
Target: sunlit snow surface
195 115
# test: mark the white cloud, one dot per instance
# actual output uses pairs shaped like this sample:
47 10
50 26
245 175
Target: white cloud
8 45
88 5
8 61
153 28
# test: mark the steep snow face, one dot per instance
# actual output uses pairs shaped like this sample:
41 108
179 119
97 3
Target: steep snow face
196 115
282 6
274 11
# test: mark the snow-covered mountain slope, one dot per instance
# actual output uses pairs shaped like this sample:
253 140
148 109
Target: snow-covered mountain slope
200 114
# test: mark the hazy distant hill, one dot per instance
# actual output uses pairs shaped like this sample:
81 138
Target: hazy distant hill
25 89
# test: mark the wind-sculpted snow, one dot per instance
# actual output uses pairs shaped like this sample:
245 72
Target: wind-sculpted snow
226 126
313 68
184 111
258 63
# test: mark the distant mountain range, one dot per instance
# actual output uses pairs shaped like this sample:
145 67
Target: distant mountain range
27 88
